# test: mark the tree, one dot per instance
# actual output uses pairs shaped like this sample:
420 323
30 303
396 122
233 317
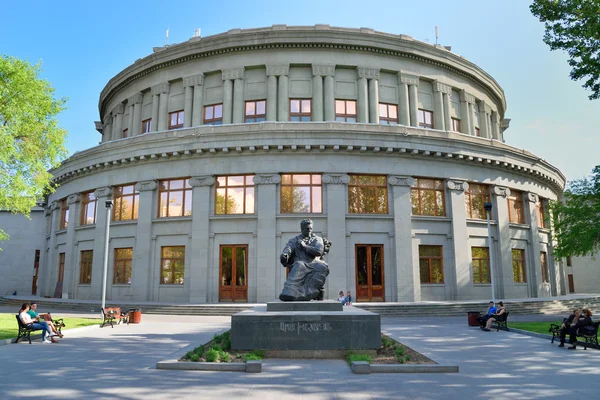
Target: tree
577 219
30 140
574 26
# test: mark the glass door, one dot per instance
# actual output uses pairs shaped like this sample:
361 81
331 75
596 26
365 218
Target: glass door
233 273
369 272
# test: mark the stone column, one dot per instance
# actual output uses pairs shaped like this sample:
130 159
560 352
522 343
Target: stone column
374 100
237 76
503 251
407 265
328 72
51 257
484 116
102 194
440 115
446 92
495 125
107 133
267 255
371 108
271 94
118 121
413 96
534 266
458 279
155 103
283 99
200 261
161 123
130 122
227 101
317 100
71 266
362 106
337 190
403 103
188 104
466 124
197 81
135 114
473 119
142 267
279 96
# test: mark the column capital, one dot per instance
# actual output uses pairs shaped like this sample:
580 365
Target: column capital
145 186
494 116
501 191
55 205
457 185
469 98
119 108
323 69
532 197
233 73
203 180
398 180
408 79
368 73
267 179
135 99
108 118
47 211
103 192
485 108
442 87
336 179
74 198
278 70
193 80
161 88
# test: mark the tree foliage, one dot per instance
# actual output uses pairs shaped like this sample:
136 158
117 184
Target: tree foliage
577 219
30 140
574 26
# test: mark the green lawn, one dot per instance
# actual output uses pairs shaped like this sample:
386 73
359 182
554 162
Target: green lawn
539 327
9 328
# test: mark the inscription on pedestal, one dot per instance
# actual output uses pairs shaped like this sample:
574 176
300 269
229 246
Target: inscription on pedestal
301 327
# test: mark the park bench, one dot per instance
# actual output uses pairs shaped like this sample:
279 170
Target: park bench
24 330
502 322
590 338
112 315
58 323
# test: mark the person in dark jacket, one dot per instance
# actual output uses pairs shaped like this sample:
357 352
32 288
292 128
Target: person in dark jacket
490 312
566 325
584 321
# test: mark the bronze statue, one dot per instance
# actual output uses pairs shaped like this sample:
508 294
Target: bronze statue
304 255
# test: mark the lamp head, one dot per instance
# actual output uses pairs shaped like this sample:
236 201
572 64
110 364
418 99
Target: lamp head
108 203
487 206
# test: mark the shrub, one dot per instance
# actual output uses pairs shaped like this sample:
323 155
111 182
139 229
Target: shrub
212 355
258 355
387 342
224 356
188 355
194 357
217 347
199 350
359 357
399 351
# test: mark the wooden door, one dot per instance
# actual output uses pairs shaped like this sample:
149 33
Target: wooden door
36 269
571 284
233 273
369 272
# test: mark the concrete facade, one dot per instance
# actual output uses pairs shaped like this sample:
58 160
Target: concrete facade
321 64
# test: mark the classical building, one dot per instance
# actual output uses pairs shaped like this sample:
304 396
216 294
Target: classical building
215 149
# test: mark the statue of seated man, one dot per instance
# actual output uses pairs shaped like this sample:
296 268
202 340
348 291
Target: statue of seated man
304 255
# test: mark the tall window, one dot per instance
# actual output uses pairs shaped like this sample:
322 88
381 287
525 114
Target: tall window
427 197
88 208
388 114
126 203
172 265
475 196
213 115
85 267
456 124
544 264
122 267
175 198
176 119
125 132
431 264
234 195
146 126
345 110
300 110
301 193
541 213
64 214
368 194
477 132
480 257
515 207
425 119
518 262
256 111
61 266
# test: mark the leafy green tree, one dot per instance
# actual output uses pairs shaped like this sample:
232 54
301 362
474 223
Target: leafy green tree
30 140
577 219
574 26
225 206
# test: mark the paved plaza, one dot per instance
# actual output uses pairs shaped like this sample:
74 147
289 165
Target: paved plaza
119 363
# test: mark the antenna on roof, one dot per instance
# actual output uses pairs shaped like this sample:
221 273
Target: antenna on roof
197 32
436 35
167 37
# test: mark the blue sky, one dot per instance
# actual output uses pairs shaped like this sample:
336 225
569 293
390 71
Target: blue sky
82 46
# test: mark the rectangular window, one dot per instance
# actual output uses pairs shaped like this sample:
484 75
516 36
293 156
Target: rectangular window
427 197
544 264
85 267
176 119
172 265
213 114
256 111
515 207
388 114
431 264
368 194
126 203
541 213
122 267
477 132
125 133
475 196
64 214
61 267
569 261
301 193
481 265
425 119
88 208
518 262
234 195
146 125
456 124
175 198
345 110
300 110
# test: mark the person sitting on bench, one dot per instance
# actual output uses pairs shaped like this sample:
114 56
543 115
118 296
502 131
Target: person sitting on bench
566 325
578 326
498 316
43 326
36 317
484 318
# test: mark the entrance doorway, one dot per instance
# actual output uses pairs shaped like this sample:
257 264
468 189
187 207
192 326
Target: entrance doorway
233 273
369 272
36 270
571 284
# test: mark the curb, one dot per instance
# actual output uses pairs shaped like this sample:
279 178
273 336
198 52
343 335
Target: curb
363 367
250 366
4 342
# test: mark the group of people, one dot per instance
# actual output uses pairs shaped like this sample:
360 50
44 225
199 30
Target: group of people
493 314
30 318
574 324
345 300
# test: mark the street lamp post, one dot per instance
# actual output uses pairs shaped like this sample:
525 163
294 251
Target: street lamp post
108 204
488 210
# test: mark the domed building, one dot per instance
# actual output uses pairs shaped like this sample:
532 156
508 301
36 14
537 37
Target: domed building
215 149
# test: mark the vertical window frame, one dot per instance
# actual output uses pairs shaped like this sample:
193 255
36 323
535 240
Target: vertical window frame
421 193
378 188
117 210
516 215
302 113
88 199
85 267
429 260
255 117
186 199
120 263
455 124
213 120
484 197
478 263
544 266
248 183
146 126
540 210
292 185
422 117
64 214
339 117
519 266
172 260
179 117
387 120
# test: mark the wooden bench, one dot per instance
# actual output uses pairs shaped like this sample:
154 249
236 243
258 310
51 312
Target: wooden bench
501 323
589 339
112 315
58 323
24 330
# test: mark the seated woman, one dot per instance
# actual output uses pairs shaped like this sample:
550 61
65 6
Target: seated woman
341 297
43 326
566 325
499 315
37 317
581 325
348 299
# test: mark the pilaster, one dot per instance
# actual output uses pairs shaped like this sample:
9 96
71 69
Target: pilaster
162 118
413 96
196 82
503 272
136 103
272 97
282 72
362 107
327 71
484 115
118 121
458 279
142 266
71 270
237 76
466 125
440 114
102 194
534 267
107 133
